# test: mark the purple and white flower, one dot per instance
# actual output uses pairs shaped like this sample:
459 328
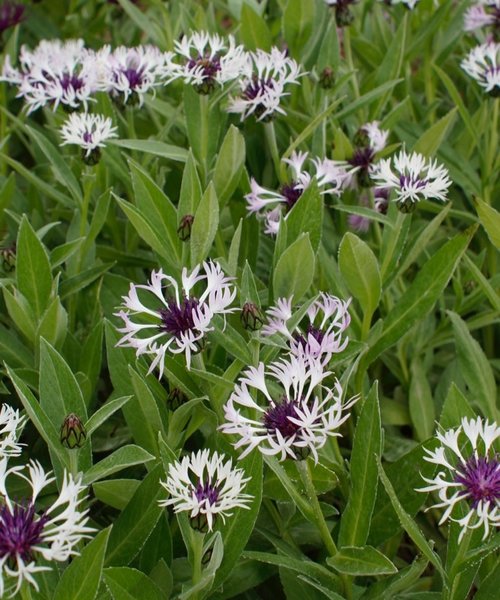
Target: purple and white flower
54 73
483 64
263 82
330 174
369 140
206 485
176 319
90 132
485 13
285 409
471 474
410 4
11 423
11 14
209 60
27 534
412 177
324 334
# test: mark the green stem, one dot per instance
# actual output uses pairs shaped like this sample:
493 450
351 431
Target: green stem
25 591
350 62
197 541
326 536
73 462
273 146
454 572
392 244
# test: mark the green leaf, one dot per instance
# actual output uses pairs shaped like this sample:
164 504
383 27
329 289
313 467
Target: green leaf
421 403
490 220
53 323
21 313
409 524
422 294
191 192
366 99
115 492
33 273
298 20
294 270
231 340
430 141
306 216
81 579
143 416
137 520
13 350
360 270
101 415
124 457
131 584
490 585
367 445
175 153
361 561
455 407
206 221
229 165
82 280
254 30
475 368
61 169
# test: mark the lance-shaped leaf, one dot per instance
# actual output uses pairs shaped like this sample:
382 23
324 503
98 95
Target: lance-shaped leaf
361 561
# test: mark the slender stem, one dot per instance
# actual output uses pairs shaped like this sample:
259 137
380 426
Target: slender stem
326 536
73 462
350 62
392 244
25 591
197 541
273 146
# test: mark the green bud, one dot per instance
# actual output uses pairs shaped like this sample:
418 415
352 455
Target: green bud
73 434
251 316
184 229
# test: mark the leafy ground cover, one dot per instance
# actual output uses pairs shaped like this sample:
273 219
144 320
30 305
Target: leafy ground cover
249 299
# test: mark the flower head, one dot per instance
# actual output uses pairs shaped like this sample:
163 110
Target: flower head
209 60
11 14
471 474
483 64
55 72
295 413
323 334
265 76
343 14
179 320
90 132
206 485
332 176
412 177
26 534
485 13
11 423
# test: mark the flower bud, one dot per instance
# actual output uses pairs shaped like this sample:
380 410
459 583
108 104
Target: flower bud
251 316
184 229
407 205
8 255
361 138
327 78
92 158
176 398
343 16
200 522
73 434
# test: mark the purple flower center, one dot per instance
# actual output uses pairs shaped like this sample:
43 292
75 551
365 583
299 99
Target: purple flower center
20 530
87 137
481 479
257 87
210 66
316 333
134 76
69 81
176 319
277 419
10 14
291 194
206 492
362 158
412 181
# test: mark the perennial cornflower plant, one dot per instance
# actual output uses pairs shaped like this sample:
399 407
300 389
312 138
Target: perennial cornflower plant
249 299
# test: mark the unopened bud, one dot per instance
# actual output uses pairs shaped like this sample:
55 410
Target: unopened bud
200 522
73 434
176 398
92 158
8 255
327 78
407 205
184 229
361 138
343 16
251 316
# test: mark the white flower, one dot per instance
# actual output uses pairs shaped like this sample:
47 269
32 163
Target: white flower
11 422
328 318
55 72
129 73
331 175
52 534
263 84
209 60
206 486
412 177
299 412
472 474
377 138
87 131
410 4
179 320
483 64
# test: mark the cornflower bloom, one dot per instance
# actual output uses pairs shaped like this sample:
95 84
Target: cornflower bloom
55 72
483 64
26 535
263 81
181 321
11 14
11 423
209 60
293 422
472 474
369 140
330 174
324 334
90 132
412 177
483 14
129 73
207 486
